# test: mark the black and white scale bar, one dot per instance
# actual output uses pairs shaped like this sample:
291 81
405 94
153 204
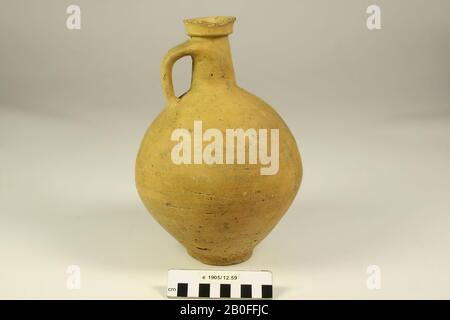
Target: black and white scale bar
219 284
204 290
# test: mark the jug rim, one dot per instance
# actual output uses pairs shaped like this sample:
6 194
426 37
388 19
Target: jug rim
212 26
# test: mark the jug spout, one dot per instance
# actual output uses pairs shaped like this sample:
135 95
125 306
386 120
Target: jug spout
210 52
211 58
209 26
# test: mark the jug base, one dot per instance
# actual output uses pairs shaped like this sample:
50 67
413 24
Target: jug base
220 261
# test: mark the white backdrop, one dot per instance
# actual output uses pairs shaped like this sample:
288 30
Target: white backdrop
369 109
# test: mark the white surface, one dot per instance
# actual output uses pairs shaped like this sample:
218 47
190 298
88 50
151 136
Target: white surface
373 193
370 112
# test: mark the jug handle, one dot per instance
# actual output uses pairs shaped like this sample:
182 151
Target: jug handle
174 54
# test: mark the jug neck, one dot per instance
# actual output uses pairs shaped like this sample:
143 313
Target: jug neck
212 63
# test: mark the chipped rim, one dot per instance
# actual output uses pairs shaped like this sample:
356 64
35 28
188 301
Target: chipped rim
212 21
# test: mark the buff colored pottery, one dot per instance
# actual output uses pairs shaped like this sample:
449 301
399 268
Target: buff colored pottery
219 211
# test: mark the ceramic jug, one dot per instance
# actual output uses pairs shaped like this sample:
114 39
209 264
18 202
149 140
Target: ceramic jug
218 167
